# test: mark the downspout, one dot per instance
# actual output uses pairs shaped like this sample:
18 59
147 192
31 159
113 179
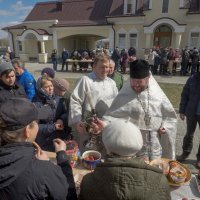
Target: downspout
114 35
113 31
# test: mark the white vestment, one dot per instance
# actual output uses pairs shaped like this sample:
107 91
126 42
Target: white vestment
161 111
91 92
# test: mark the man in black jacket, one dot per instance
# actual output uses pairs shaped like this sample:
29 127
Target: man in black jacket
25 170
190 108
8 86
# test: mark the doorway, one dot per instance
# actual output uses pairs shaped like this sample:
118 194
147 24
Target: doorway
163 36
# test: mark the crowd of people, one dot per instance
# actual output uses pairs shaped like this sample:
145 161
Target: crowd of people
165 61
133 122
120 57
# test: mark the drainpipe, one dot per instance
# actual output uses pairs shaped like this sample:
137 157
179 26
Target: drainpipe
114 33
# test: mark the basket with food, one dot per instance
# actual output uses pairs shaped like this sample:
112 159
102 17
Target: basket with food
176 173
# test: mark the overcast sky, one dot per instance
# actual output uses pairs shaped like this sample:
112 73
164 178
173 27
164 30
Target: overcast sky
14 12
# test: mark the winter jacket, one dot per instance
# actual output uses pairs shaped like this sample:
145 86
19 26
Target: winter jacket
65 55
190 96
28 82
119 179
54 56
54 110
7 92
24 177
116 55
118 78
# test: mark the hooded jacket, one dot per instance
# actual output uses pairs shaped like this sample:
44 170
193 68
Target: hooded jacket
28 82
7 92
23 177
190 96
53 109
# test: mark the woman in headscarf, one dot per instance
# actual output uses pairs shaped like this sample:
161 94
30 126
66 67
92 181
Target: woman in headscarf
51 124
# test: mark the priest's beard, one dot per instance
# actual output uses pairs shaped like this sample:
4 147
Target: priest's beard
139 89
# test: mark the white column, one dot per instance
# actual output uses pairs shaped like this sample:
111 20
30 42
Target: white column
23 46
178 40
42 46
125 6
111 39
55 40
133 2
10 40
148 40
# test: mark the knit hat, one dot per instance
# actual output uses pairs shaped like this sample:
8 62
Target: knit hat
49 71
60 85
4 66
139 69
16 113
122 138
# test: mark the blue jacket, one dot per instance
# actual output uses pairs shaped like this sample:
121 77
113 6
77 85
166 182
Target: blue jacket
190 96
65 55
28 82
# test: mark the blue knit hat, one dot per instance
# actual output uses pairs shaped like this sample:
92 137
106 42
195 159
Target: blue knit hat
49 71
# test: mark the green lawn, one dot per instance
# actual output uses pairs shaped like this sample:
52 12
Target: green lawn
173 91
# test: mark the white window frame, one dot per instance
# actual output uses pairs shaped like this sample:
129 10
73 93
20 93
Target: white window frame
150 4
19 46
122 31
132 39
122 46
133 31
162 7
197 44
182 3
133 6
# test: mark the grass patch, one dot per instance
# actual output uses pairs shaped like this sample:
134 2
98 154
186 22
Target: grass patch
72 82
173 91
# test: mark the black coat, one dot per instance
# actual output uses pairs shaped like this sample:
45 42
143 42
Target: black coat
190 96
23 177
8 92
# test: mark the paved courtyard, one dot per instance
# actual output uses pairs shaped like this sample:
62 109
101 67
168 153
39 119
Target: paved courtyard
36 68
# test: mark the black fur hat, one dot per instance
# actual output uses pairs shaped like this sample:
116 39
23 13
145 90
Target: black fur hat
139 69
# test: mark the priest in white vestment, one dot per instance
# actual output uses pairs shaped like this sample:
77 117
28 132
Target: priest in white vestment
143 102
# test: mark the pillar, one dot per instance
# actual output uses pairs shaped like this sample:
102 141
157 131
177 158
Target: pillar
111 39
148 40
178 40
42 47
55 40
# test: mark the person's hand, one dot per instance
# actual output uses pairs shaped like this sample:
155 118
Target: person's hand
182 116
161 130
80 127
59 144
97 126
41 155
59 124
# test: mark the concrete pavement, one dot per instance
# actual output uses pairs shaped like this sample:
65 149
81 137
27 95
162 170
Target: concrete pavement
36 68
